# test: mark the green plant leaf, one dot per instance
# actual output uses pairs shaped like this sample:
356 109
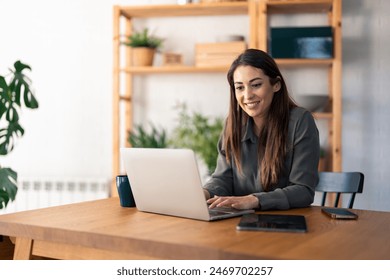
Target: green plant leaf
7 137
10 103
19 66
156 138
143 39
21 82
3 86
8 186
199 133
12 115
4 97
29 99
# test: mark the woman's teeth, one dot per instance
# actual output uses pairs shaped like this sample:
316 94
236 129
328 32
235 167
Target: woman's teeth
252 104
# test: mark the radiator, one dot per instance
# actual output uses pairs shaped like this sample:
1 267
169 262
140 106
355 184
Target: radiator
39 193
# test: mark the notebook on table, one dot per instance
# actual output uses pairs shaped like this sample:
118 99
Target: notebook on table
167 181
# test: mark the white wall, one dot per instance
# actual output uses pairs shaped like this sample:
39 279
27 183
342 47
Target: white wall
366 114
68 44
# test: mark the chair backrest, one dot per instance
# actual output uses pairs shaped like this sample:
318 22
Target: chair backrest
340 182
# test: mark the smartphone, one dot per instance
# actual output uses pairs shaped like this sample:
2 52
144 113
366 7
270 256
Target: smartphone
339 213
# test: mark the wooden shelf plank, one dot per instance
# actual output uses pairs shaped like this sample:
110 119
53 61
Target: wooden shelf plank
201 9
323 115
298 6
174 69
294 62
194 69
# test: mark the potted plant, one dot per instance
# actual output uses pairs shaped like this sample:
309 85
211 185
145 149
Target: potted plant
199 133
144 46
140 137
13 95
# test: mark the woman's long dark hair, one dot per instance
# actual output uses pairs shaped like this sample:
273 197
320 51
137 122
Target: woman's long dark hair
273 138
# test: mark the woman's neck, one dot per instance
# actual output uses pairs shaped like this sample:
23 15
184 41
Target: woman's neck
258 124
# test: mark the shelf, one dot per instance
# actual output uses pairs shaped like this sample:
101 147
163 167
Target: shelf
195 69
174 69
294 62
299 6
323 115
202 9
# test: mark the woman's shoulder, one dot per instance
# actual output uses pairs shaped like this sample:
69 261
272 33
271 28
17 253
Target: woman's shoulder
299 115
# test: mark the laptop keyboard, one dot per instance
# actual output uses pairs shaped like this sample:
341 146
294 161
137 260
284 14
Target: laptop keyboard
222 210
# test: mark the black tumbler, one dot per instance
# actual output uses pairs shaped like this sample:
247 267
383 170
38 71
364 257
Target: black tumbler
124 191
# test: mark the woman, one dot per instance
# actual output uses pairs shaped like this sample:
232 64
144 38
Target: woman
269 149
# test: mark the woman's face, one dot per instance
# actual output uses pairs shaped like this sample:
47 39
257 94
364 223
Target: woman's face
254 91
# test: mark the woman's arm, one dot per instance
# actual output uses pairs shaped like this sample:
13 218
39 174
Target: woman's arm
298 187
221 181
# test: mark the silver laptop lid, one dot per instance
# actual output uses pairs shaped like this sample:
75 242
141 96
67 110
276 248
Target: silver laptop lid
166 181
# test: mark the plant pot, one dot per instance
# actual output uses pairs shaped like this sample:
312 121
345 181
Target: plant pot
143 56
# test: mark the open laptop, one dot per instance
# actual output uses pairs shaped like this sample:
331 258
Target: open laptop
167 181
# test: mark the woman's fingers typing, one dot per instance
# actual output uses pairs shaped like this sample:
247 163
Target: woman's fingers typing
238 202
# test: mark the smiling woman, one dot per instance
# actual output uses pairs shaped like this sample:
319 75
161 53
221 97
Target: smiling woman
269 149
254 93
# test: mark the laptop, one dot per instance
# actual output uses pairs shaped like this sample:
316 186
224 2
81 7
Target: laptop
167 181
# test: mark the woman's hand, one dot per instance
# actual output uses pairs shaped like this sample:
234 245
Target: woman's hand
238 202
206 194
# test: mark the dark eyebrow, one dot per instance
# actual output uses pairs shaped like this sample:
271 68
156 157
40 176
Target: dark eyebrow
254 79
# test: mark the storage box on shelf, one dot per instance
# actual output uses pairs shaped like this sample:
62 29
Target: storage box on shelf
301 42
218 54
172 59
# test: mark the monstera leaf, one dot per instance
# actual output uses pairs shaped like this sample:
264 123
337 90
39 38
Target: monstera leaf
21 83
13 96
10 102
8 187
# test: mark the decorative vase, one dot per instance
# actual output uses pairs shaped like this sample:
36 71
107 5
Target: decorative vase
143 56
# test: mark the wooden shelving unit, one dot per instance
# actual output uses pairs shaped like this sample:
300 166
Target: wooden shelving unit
332 8
258 12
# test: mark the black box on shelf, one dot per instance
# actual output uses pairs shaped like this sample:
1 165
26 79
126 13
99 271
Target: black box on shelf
302 42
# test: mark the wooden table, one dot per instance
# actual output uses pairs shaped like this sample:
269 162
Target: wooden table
103 230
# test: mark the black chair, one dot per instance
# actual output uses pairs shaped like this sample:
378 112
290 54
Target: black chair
339 183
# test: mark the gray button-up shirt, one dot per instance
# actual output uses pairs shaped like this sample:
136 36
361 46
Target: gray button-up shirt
295 188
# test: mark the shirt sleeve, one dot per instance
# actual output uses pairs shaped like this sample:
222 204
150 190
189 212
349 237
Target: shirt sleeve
302 163
221 181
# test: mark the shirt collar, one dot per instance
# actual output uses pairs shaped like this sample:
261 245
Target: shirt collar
249 134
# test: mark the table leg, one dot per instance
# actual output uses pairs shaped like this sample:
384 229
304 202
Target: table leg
23 248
